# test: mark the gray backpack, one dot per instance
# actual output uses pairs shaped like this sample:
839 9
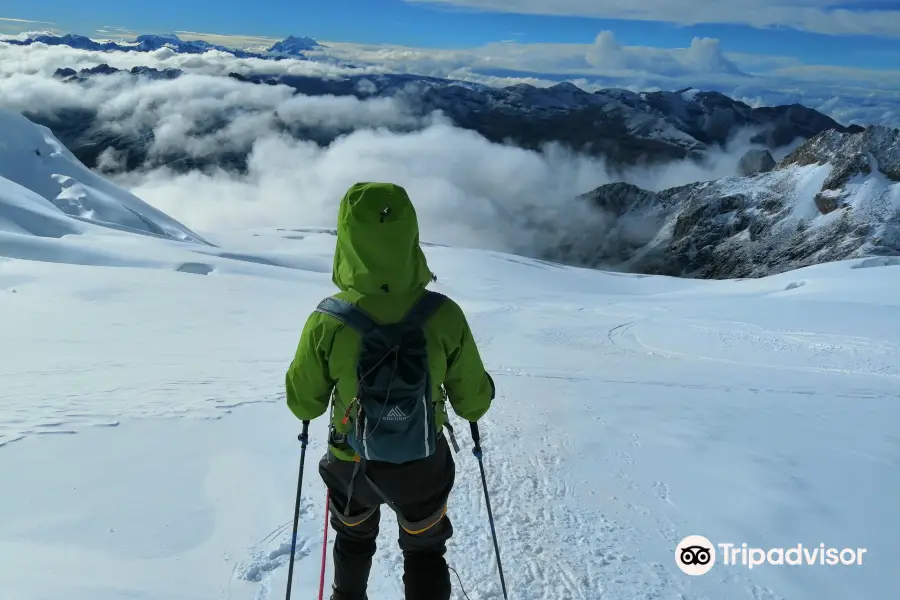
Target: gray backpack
393 414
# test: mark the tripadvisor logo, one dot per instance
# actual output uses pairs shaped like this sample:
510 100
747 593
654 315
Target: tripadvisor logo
696 555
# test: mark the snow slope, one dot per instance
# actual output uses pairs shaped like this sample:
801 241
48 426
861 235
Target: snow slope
146 451
47 195
31 157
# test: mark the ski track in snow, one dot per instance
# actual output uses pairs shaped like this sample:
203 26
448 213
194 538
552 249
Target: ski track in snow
750 345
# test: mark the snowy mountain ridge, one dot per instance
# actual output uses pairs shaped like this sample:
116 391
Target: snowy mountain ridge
835 197
620 124
46 192
290 47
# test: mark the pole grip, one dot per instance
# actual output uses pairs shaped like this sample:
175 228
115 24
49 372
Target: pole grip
304 435
476 438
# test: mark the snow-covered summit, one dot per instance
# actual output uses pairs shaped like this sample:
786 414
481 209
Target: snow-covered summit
294 46
151 43
72 40
169 38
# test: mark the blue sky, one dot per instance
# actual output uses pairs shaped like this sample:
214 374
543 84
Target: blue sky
469 23
841 57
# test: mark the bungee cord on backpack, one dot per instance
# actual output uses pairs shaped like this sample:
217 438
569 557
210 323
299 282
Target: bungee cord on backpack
395 351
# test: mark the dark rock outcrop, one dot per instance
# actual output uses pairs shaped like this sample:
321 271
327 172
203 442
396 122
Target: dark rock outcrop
70 75
756 161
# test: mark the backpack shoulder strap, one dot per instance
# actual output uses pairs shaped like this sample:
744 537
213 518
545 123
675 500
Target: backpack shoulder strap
423 309
347 313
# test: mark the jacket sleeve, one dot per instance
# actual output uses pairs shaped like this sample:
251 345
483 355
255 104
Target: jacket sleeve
307 382
470 388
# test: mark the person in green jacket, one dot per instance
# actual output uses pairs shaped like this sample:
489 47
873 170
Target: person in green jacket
380 268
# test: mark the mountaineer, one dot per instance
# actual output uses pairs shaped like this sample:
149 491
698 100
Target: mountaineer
387 355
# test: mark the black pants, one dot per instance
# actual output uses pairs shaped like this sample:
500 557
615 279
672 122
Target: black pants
419 490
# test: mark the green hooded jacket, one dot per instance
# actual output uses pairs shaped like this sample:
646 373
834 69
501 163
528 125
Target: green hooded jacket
380 267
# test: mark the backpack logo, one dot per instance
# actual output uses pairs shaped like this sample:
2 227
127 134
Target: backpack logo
395 414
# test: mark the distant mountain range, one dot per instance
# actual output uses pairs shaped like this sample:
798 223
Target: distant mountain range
292 47
622 126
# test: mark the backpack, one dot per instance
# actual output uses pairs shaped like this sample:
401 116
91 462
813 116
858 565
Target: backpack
394 419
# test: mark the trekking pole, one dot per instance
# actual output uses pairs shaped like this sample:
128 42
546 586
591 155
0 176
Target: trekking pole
304 440
476 438
324 544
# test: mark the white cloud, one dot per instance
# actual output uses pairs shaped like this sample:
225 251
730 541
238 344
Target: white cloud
860 95
866 95
229 41
176 111
116 34
13 28
835 17
11 20
43 59
17 33
467 190
857 95
606 57
703 56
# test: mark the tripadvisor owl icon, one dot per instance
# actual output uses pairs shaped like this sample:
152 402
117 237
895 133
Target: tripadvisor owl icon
695 555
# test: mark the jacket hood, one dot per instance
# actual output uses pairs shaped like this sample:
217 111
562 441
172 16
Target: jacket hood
378 249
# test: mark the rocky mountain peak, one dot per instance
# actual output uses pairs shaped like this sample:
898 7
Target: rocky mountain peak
874 150
882 143
835 197
293 45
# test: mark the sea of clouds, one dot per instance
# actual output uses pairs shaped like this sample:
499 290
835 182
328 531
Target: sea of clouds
467 190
